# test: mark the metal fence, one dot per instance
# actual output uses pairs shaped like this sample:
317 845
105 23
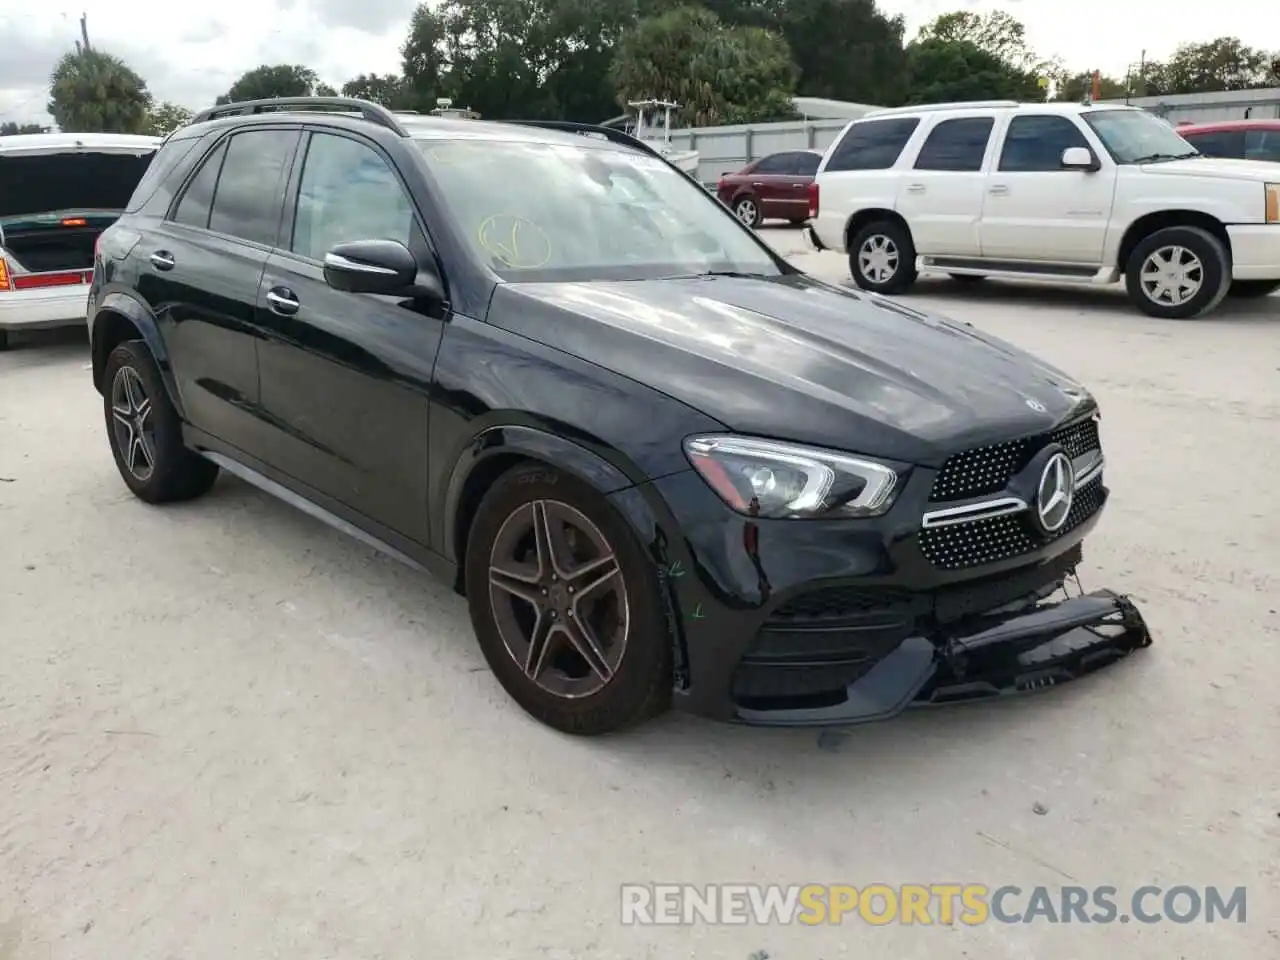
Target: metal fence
727 149
1211 107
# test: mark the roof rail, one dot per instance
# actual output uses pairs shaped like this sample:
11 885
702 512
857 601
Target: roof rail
957 105
373 112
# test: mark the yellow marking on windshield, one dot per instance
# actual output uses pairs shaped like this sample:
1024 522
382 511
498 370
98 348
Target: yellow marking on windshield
518 243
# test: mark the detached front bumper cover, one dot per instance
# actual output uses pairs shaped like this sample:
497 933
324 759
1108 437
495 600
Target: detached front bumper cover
991 656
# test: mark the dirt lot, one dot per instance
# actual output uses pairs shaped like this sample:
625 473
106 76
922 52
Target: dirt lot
226 731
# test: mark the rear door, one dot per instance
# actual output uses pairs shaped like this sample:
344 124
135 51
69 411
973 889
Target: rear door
1034 210
940 196
346 376
200 269
775 180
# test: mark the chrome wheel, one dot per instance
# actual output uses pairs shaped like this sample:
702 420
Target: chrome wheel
558 598
132 424
746 211
1171 276
878 258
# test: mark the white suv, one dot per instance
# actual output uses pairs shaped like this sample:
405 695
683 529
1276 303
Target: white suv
1047 191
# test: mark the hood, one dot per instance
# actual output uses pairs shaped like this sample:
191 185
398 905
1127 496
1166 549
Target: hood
1219 168
43 178
792 358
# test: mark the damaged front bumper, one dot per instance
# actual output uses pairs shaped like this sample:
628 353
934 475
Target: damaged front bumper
990 656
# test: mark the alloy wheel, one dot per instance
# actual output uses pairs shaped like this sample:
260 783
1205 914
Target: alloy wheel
132 423
1171 276
746 211
559 599
878 258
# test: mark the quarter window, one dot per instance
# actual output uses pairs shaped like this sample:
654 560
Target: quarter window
1035 144
956 145
193 208
348 192
247 201
873 144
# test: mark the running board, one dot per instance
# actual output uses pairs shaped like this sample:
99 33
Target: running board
281 492
1019 269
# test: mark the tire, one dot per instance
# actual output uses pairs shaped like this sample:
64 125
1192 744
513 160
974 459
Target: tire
131 383
890 248
1195 257
1248 289
635 682
966 278
747 209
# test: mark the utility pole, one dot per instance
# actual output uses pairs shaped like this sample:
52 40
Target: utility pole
84 30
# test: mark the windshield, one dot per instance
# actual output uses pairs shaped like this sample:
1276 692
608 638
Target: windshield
1135 136
539 211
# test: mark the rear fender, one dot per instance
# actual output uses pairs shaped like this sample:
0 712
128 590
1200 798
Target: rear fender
120 317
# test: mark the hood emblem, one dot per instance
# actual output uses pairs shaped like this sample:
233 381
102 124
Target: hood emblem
1036 405
1055 494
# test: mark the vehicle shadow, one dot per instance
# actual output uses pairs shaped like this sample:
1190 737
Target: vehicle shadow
1102 299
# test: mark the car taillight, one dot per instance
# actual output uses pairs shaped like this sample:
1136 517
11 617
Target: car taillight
4 275
813 200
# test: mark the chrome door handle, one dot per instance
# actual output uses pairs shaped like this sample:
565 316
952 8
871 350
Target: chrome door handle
757 184
916 188
282 302
162 260
999 190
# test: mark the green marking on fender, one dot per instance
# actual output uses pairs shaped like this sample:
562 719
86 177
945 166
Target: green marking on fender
676 570
697 613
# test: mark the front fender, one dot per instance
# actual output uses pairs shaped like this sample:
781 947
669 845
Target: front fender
531 443
115 313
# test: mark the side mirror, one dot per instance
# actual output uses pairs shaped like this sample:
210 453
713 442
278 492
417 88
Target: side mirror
1079 158
380 266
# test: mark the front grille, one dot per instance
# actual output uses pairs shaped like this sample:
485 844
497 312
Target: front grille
839 603
994 539
987 470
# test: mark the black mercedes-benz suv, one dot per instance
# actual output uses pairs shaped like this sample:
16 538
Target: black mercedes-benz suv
661 463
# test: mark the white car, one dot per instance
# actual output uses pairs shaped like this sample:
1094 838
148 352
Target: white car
58 191
1047 191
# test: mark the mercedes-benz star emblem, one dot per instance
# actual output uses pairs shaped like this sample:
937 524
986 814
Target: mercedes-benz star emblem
1055 493
1036 405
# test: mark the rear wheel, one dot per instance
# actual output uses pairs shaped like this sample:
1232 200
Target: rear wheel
747 209
1178 273
882 257
565 606
145 432
1253 288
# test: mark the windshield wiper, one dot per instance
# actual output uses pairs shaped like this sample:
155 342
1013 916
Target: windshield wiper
740 274
1161 157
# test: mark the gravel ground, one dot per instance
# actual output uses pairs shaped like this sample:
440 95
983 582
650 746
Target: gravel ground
226 731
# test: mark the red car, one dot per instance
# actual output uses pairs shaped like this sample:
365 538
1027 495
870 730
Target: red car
775 187
1235 139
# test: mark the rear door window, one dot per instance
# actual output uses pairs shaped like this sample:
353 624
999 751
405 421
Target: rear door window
956 145
1218 143
249 195
873 144
162 164
779 163
807 164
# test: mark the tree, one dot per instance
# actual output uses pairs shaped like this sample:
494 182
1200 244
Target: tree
11 128
167 117
718 74
266 82
389 90
91 91
949 70
1221 64
324 90
423 58
998 33
1074 87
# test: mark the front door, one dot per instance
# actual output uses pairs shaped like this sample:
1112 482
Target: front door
200 270
345 377
940 197
1036 210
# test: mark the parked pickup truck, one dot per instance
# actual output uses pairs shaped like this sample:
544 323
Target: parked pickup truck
1047 191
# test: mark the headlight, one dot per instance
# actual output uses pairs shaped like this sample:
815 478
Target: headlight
1273 202
764 478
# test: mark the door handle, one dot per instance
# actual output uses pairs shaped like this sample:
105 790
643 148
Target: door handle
162 260
282 301
916 188
999 190
757 184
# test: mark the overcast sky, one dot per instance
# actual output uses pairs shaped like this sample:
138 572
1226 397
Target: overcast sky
191 54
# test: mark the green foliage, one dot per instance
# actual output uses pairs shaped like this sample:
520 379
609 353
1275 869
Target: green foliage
1074 87
167 117
11 128
93 92
267 81
950 70
389 90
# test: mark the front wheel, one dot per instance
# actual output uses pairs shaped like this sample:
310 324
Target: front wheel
882 257
1178 273
1253 288
565 605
